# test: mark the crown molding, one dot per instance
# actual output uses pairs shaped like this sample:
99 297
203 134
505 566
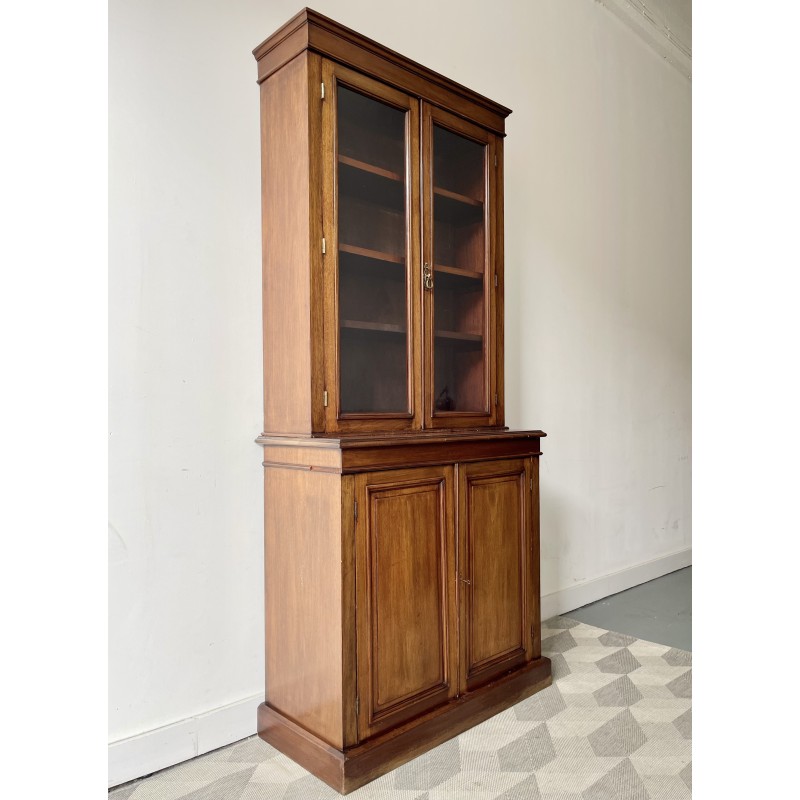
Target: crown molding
636 15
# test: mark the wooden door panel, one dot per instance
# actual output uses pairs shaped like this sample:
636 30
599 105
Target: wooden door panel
405 607
495 569
370 222
460 271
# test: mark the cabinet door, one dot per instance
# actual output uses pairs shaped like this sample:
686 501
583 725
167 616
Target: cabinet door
370 171
459 270
405 595
496 570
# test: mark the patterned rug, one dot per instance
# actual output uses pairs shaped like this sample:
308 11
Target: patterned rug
615 725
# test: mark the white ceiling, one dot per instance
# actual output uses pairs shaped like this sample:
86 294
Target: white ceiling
666 25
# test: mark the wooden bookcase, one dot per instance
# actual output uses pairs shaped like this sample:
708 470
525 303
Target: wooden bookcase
401 515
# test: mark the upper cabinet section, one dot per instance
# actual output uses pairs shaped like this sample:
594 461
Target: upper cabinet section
382 238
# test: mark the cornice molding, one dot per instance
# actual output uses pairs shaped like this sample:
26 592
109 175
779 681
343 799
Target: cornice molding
642 20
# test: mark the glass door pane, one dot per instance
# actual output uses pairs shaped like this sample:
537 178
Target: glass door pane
373 282
460 258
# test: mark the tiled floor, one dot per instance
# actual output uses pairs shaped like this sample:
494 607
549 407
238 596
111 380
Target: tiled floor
615 725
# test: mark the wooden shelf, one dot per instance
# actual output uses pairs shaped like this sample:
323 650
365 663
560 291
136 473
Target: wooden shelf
459 198
376 327
458 272
454 209
371 168
365 252
458 336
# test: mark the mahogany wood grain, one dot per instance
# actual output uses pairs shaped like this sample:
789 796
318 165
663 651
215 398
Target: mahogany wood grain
405 607
368 231
315 223
499 293
303 599
309 29
378 458
474 373
536 573
347 770
401 542
369 452
287 290
495 574
349 661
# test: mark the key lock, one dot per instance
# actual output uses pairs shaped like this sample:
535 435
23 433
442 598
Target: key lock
427 276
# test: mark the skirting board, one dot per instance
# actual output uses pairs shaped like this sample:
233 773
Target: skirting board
162 747
565 600
159 748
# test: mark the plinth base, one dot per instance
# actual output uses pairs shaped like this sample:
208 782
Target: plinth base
346 770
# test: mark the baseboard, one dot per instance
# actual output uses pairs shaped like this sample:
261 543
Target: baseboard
163 747
565 600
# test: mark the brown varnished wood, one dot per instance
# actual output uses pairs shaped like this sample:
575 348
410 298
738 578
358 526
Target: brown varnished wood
479 382
360 453
312 30
303 599
335 75
536 573
315 232
401 544
287 286
308 750
374 458
495 575
349 663
347 770
499 292
405 595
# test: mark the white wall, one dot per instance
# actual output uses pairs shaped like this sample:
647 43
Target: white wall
598 316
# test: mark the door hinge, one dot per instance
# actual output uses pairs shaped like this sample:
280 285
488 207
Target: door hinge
323 245
495 279
533 632
355 510
531 484
325 398
322 91
496 399
495 156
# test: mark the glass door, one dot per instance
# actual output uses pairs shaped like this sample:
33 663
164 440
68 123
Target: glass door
458 271
371 262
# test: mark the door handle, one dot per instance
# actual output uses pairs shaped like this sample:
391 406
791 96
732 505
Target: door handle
427 276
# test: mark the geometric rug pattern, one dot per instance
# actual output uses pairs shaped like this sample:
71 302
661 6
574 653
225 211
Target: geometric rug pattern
615 725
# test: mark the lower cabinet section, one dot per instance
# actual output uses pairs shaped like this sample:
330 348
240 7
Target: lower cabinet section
402 606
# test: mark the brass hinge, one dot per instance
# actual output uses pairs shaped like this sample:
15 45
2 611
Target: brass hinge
323 245
533 632
495 156
322 91
496 399
531 484
495 279
355 510
325 398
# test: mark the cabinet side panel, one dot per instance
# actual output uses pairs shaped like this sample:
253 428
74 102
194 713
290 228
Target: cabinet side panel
285 241
303 598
